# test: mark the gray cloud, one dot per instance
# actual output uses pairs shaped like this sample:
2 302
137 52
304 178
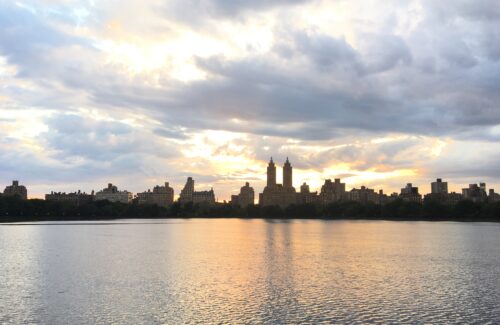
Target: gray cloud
73 135
379 88
441 78
196 12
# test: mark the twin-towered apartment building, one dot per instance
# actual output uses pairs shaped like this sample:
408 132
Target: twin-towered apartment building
274 194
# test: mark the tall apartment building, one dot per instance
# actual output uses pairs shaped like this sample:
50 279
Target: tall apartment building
439 187
186 195
476 193
16 190
189 195
112 194
332 191
204 197
410 193
160 195
439 192
278 194
245 197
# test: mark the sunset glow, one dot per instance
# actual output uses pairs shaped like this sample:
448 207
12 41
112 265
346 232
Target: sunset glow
154 91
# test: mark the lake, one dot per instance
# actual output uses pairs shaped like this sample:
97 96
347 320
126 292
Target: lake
249 271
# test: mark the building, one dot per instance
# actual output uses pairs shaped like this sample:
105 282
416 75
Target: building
332 191
276 194
160 195
363 195
410 193
305 196
245 198
112 194
439 187
16 190
439 191
454 197
76 198
384 198
204 197
188 194
493 197
475 193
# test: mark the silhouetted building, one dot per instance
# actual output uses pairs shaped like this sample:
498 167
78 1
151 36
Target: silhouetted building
439 187
246 196
439 191
493 197
306 196
363 195
410 193
271 173
161 196
287 174
204 197
454 197
384 198
475 193
112 194
76 198
277 194
16 190
188 194
332 191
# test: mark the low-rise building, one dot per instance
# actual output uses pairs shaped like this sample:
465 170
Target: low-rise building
76 198
160 195
112 194
16 190
454 197
305 196
363 195
384 198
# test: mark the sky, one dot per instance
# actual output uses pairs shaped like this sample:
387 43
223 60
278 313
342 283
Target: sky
140 92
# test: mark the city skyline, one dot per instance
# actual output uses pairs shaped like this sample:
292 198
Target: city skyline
377 94
249 161
273 193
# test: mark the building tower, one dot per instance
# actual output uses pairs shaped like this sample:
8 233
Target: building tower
439 187
271 174
16 190
287 174
187 192
246 196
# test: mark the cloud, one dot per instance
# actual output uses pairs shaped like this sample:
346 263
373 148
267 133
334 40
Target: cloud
129 96
194 11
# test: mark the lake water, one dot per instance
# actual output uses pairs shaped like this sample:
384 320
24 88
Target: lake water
249 271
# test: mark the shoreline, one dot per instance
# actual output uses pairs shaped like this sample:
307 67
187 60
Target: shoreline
75 220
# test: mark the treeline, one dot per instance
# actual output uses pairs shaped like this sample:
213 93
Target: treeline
15 209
